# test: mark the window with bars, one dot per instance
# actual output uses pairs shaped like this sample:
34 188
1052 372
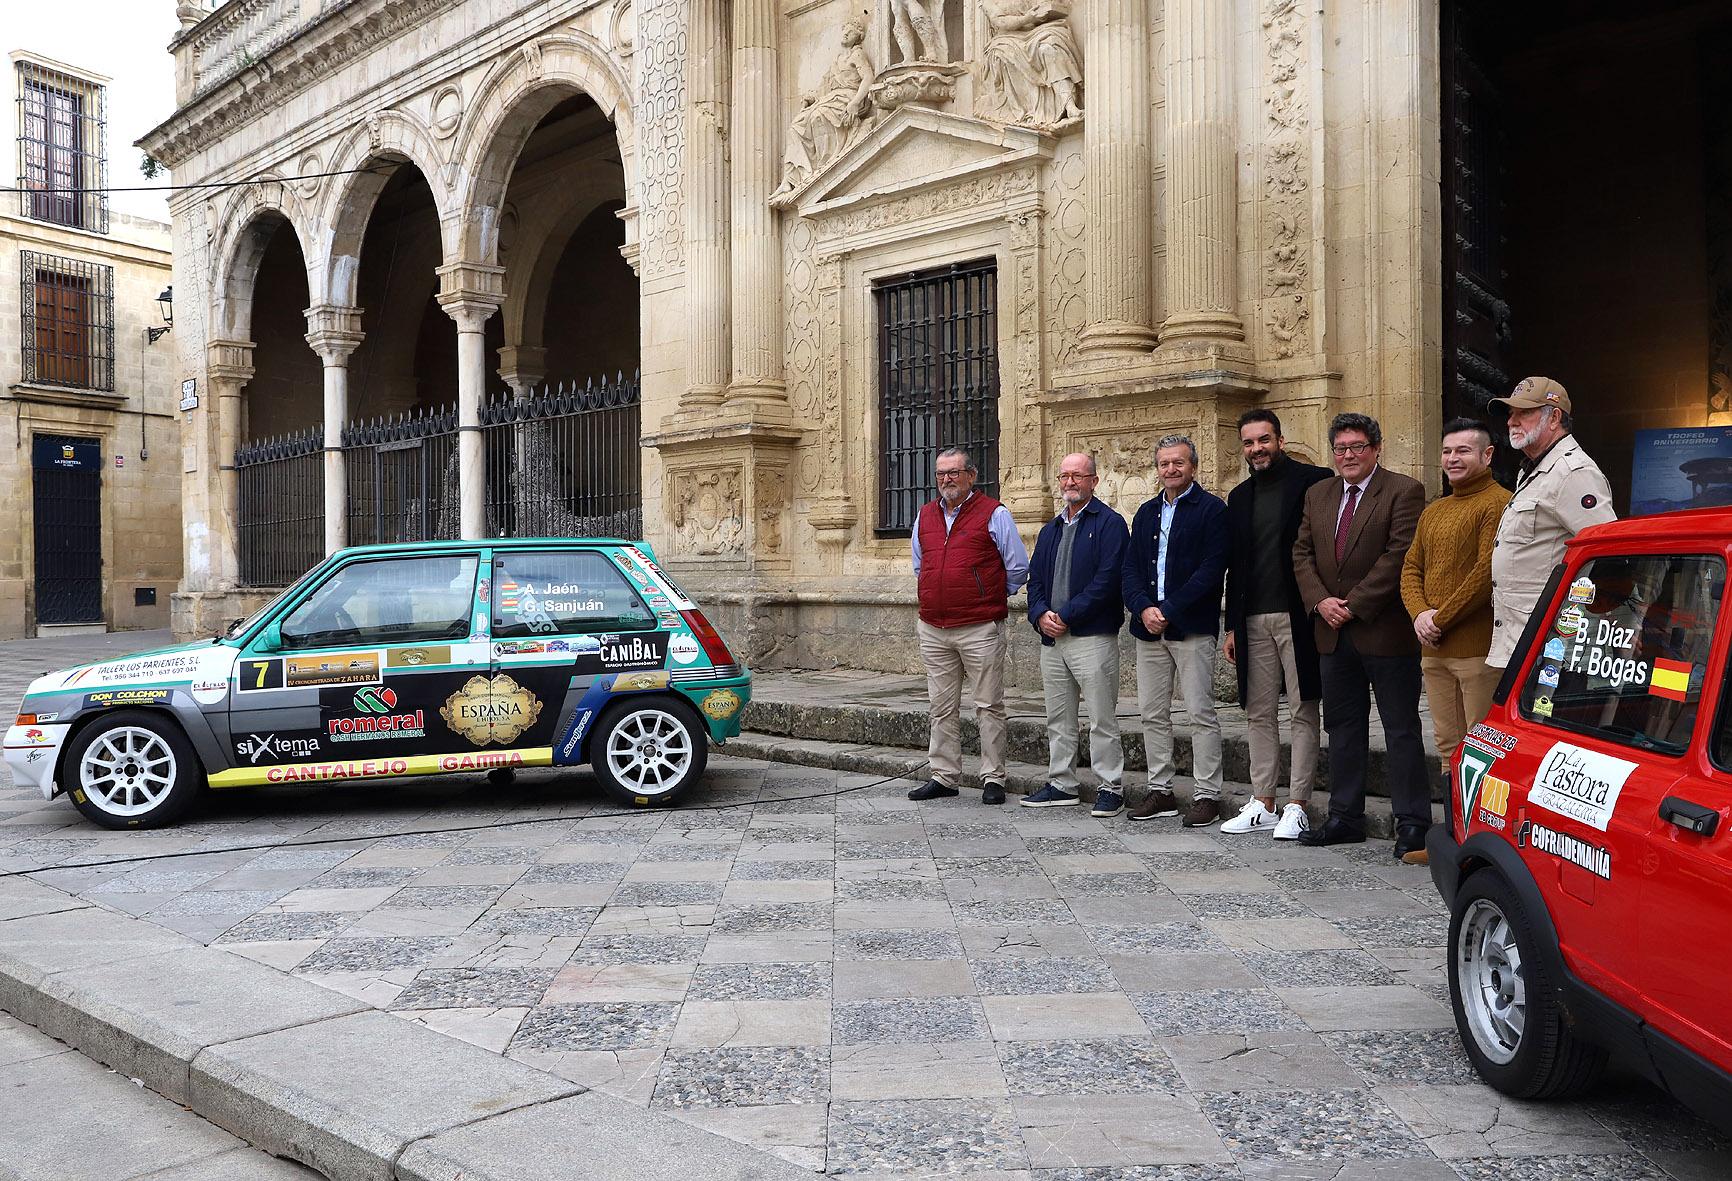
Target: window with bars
62 148
937 383
68 329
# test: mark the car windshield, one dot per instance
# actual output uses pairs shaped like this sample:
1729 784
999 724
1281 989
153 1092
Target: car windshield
245 624
1627 649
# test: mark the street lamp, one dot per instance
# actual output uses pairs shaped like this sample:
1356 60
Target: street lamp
165 302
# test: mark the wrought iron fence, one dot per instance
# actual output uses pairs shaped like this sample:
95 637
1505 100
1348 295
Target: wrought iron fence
402 477
280 530
564 461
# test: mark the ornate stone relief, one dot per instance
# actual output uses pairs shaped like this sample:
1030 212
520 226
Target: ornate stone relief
832 117
447 112
801 333
1031 68
969 194
1067 244
661 135
769 505
1286 183
707 511
922 71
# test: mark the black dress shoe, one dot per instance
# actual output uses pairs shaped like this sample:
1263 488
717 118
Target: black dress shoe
931 790
1335 832
1409 838
992 792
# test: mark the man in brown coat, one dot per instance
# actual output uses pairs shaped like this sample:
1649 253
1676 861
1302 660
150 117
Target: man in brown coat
1347 560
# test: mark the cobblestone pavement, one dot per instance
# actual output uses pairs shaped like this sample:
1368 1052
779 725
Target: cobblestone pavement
868 986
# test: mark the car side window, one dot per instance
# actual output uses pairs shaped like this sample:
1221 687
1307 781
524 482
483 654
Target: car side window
387 601
563 592
1627 649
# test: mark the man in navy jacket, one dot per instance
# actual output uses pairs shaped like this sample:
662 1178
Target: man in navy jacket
1074 605
1173 571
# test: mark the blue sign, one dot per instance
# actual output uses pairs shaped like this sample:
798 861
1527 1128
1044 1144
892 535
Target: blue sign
1690 467
69 454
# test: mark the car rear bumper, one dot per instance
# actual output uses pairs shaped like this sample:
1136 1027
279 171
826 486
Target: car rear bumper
722 703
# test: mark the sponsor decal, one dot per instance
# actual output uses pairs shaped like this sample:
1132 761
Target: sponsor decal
355 769
209 692
1548 676
35 735
684 649
149 668
1570 622
640 650
1492 738
558 646
721 704
483 590
648 563
669 619
481 760
491 710
579 727
46 717
415 657
1491 821
332 668
107 698
1590 500
586 645
519 648
541 756
257 746
1542 706
1565 847
1581 784
1581 591
1471 769
658 601
1494 796
1554 649
259 674
76 675
1671 680
638 682
36 755
376 719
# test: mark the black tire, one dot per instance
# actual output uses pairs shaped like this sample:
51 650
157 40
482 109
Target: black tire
1507 1010
131 769
647 751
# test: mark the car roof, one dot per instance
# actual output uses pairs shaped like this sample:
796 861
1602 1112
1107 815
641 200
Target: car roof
497 543
1711 526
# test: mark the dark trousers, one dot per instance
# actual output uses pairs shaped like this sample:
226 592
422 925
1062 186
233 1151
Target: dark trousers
1350 678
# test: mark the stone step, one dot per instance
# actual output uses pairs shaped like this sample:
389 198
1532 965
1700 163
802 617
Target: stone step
871 759
900 726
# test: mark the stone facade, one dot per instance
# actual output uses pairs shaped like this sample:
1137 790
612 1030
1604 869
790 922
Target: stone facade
1194 207
125 401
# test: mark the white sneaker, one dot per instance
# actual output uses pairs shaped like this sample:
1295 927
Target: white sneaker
1253 817
1293 822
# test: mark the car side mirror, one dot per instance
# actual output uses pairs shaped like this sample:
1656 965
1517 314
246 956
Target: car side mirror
271 639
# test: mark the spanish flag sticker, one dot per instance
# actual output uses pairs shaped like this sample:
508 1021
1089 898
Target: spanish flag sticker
1671 680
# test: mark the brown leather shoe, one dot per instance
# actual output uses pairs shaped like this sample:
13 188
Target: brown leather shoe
1203 813
1156 804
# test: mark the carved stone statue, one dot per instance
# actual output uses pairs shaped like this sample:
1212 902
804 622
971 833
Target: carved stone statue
1031 69
831 118
918 26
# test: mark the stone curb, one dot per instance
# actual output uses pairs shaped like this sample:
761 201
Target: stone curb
1024 777
311 1075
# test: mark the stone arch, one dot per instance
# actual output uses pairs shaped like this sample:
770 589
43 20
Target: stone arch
246 226
508 105
526 285
386 137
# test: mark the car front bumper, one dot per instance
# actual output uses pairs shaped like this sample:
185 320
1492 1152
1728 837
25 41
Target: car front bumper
32 753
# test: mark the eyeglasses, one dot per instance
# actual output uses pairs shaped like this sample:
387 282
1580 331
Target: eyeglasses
1074 477
1351 448
956 473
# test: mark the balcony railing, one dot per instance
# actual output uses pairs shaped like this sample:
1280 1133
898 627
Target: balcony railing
240 33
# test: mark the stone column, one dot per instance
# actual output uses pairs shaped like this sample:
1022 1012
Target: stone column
470 293
1118 154
228 368
708 276
754 165
335 332
522 367
1201 175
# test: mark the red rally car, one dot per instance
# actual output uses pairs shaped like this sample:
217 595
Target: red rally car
1587 853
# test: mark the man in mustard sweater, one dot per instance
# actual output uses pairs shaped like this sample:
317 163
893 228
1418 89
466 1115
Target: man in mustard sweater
1446 585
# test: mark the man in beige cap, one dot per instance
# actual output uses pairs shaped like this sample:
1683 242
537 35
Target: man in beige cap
1559 493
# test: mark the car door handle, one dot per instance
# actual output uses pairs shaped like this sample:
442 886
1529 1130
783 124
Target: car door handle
1690 817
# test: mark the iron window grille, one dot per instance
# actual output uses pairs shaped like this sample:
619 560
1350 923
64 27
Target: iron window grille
62 148
938 383
68 314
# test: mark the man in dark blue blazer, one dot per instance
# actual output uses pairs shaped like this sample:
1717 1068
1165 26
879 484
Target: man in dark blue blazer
1074 605
1174 568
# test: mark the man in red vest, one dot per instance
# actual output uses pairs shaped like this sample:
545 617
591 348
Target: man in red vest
968 560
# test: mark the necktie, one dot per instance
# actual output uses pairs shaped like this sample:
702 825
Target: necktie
1345 523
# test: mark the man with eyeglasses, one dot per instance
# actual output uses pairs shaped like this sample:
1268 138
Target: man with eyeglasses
1074 605
1560 492
1347 560
968 561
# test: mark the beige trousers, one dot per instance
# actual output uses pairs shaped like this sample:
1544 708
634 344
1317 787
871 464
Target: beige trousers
1191 664
1087 666
1459 691
950 654
1270 660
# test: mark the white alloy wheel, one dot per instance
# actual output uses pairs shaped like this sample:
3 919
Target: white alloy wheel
650 751
1493 985
128 771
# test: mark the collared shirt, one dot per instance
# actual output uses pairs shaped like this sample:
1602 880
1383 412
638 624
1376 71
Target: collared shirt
1002 529
1167 509
1362 486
